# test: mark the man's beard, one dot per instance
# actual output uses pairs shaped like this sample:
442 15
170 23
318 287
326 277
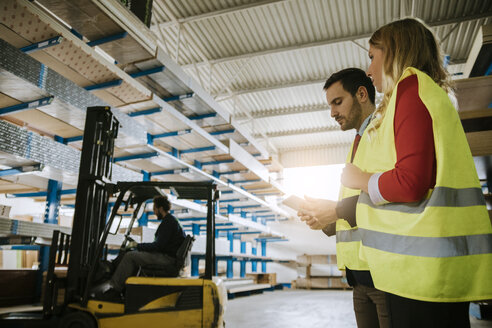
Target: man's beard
354 116
160 216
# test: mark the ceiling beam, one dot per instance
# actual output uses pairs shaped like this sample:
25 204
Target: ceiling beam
281 49
331 41
227 95
218 13
282 111
299 132
315 147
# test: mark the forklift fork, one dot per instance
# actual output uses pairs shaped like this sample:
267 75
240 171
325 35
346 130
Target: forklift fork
60 244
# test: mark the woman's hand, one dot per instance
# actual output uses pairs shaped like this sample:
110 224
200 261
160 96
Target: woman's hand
317 213
355 178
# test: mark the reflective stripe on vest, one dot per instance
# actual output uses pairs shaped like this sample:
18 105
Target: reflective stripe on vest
441 196
347 236
427 246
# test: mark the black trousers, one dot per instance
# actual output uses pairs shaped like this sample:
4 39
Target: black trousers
370 307
408 313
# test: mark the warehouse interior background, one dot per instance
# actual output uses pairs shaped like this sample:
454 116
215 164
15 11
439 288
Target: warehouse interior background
227 91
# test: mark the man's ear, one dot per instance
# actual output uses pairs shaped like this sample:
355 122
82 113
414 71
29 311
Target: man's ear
362 94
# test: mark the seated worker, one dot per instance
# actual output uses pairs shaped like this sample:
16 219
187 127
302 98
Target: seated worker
168 238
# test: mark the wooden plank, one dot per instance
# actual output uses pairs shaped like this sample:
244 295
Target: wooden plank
94 24
478 113
480 142
13 38
37 120
474 93
42 121
6 101
7 187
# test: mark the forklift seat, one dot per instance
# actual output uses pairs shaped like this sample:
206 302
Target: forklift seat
155 270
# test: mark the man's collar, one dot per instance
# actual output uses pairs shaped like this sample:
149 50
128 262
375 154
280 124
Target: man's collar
364 125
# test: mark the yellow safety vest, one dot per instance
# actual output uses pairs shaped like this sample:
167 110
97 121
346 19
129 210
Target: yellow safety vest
438 249
348 238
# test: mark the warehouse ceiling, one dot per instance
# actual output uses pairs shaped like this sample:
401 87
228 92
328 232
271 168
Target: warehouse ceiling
266 61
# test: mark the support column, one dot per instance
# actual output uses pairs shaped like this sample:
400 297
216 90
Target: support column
195 261
195 229
230 268
50 216
253 262
263 253
243 262
144 219
230 237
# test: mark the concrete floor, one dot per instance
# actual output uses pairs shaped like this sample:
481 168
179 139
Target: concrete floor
299 309
292 308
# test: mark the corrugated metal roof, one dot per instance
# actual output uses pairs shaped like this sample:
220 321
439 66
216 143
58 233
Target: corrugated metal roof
262 57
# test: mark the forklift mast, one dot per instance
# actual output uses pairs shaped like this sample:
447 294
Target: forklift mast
91 202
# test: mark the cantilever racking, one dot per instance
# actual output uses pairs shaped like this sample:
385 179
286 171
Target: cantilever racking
57 64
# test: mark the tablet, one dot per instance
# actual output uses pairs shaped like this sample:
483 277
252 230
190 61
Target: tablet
293 202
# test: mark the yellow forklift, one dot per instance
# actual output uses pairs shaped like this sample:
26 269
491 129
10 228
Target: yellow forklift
153 298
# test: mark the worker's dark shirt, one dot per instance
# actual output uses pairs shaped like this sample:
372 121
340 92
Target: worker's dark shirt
168 237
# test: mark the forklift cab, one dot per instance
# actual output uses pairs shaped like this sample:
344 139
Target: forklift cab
154 297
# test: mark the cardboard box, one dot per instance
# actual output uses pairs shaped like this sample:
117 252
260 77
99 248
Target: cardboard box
29 259
318 270
316 259
5 210
17 287
23 218
303 271
321 270
263 278
65 221
339 283
61 274
322 283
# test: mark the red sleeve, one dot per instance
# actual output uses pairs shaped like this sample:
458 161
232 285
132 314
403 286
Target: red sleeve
415 169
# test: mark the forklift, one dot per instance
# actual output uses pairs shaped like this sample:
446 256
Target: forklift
155 297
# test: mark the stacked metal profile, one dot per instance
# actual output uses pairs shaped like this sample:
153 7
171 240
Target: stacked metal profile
17 141
70 100
9 227
43 82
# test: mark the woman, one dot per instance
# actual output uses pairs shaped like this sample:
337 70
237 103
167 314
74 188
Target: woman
425 230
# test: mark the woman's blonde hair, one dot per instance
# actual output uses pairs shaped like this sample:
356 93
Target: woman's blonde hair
407 43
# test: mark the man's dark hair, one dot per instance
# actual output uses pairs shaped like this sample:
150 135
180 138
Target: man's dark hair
162 202
352 79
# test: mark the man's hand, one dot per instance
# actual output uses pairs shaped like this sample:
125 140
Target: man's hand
317 213
355 178
131 245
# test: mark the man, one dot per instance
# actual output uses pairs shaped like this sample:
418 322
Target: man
168 238
351 96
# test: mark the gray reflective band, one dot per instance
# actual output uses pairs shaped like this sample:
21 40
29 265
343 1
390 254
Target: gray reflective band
440 197
427 246
345 236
